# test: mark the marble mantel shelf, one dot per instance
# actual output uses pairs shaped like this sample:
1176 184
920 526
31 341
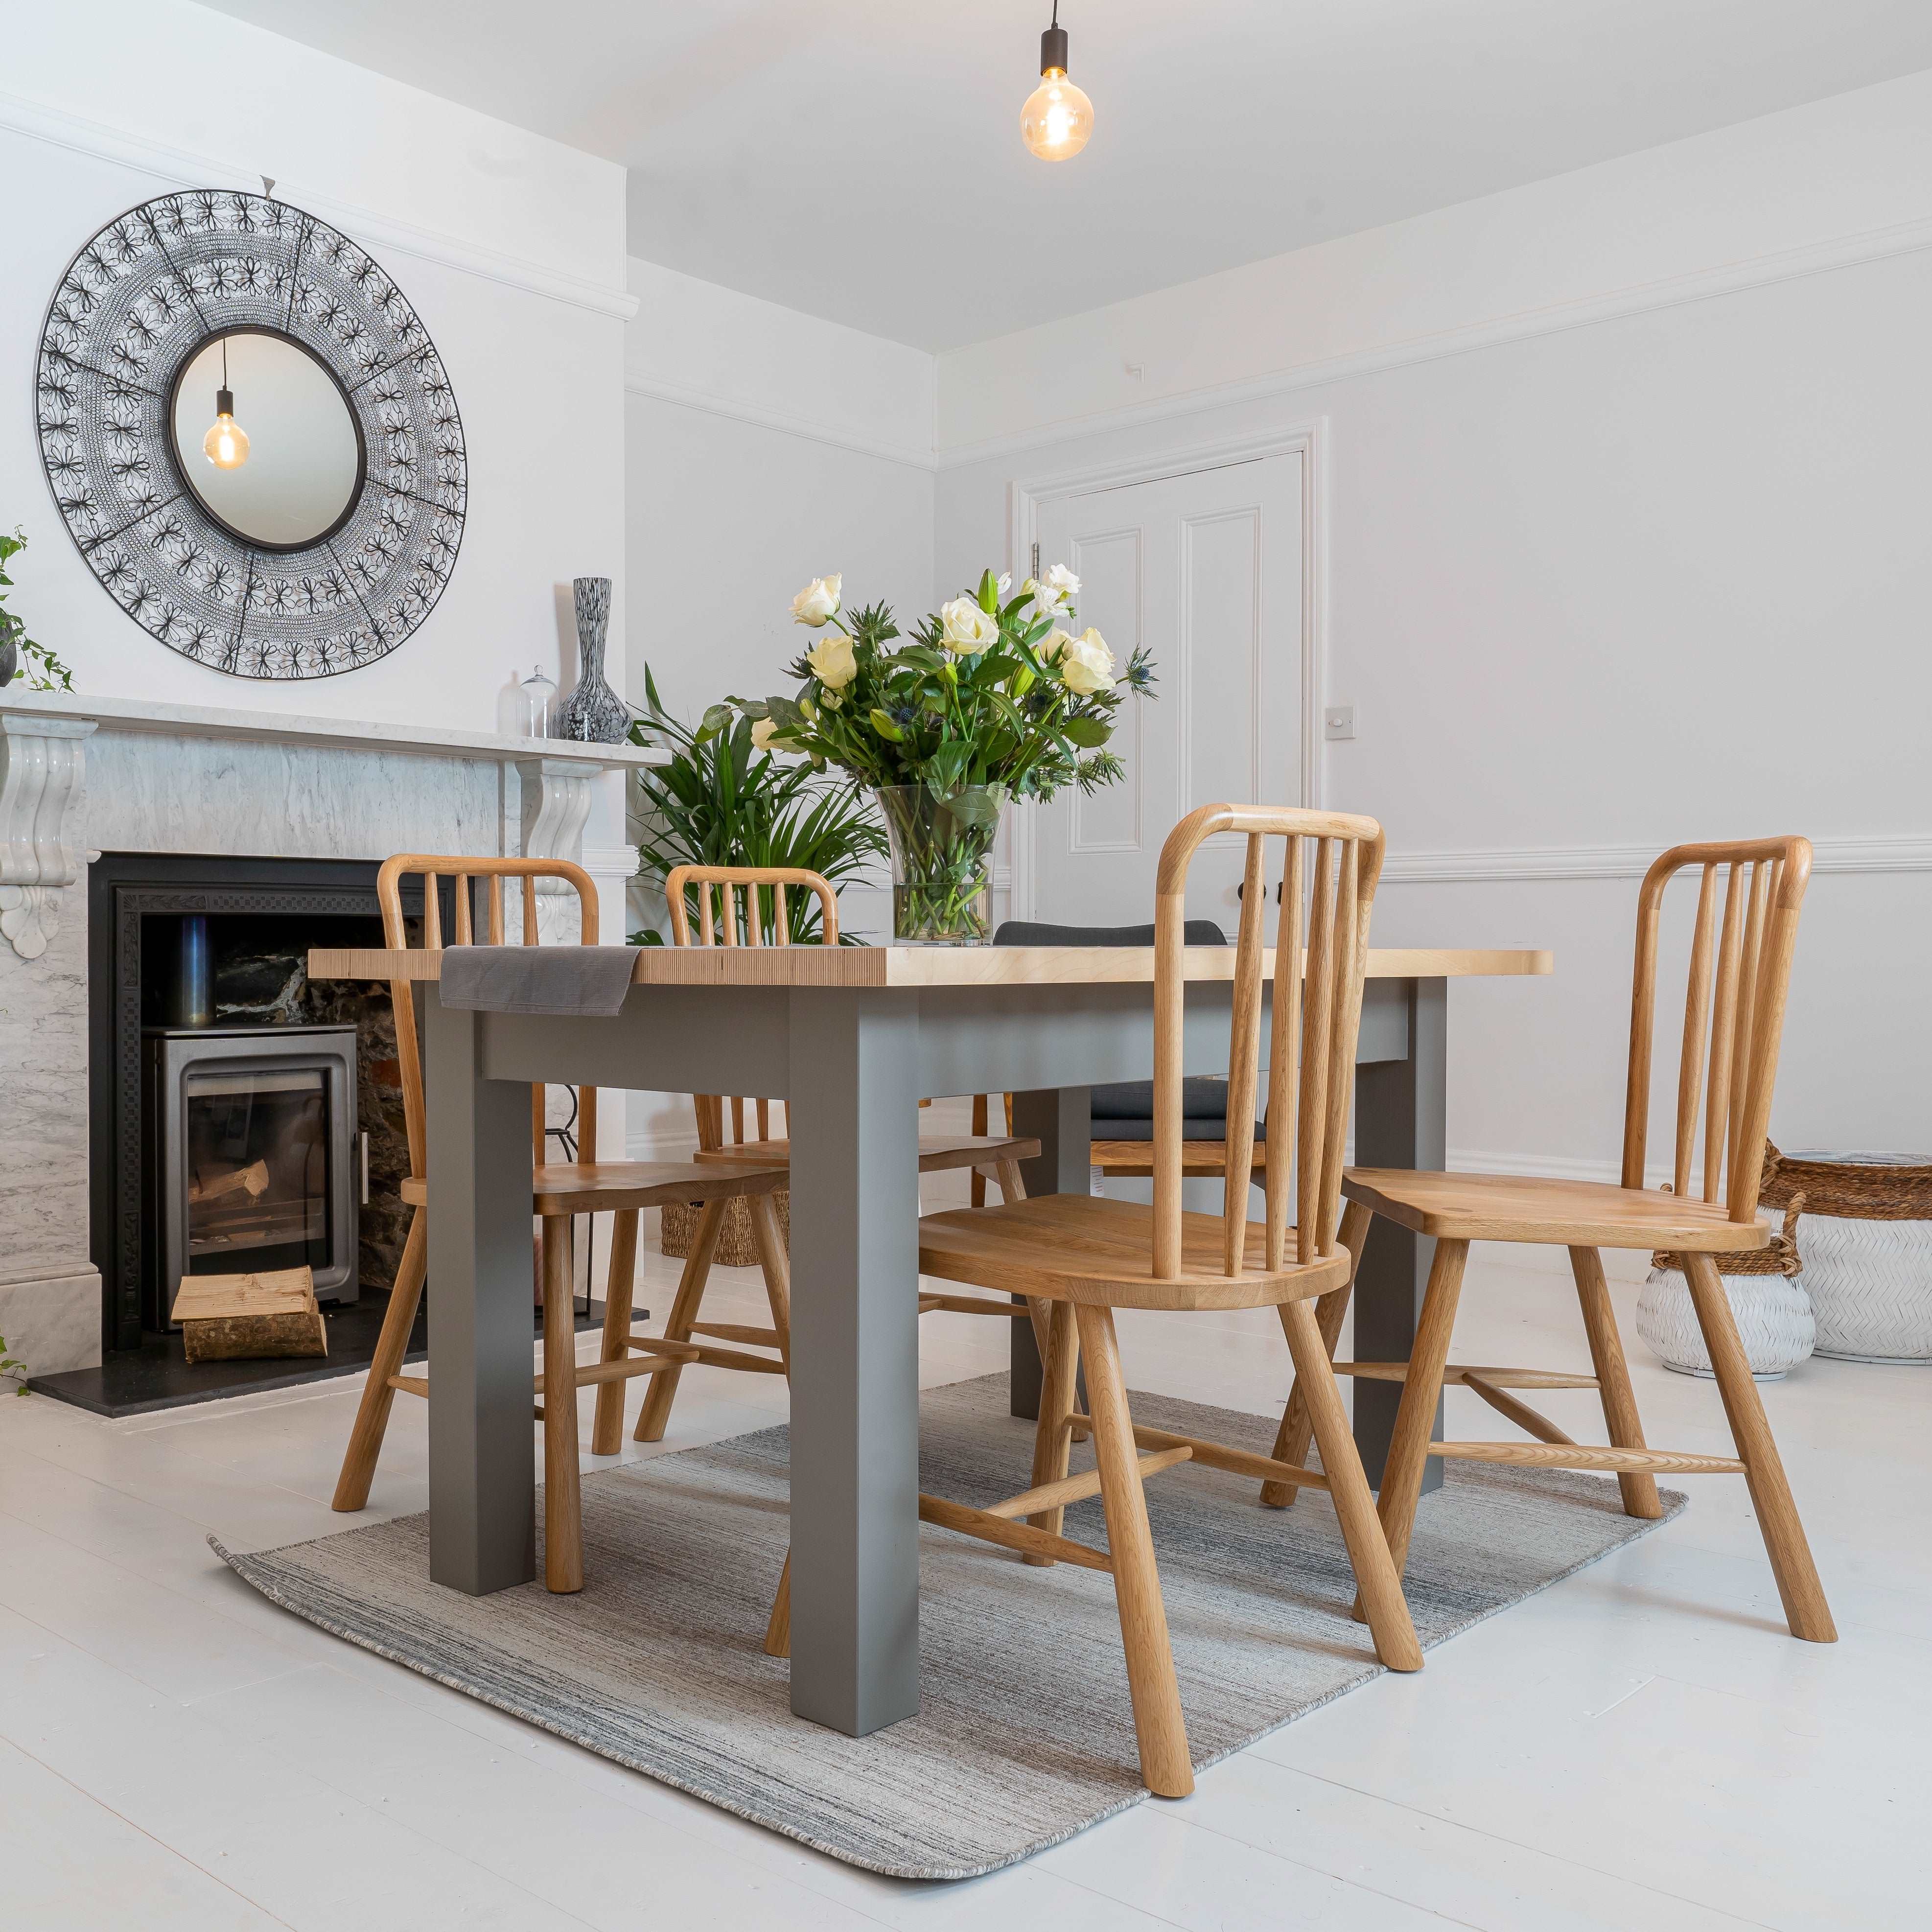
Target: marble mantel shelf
198 720
331 776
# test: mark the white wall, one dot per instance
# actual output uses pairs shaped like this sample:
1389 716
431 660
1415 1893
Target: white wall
1626 509
765 448
509 246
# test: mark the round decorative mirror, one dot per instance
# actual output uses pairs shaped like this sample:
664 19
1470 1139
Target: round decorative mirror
286 470
251 437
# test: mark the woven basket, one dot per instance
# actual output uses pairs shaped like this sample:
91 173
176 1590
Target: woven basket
1771 1310
736 1246
1865 1247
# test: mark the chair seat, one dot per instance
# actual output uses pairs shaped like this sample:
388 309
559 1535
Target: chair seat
937 1152
603 1186
1530 1208
1133 1159
1078 1248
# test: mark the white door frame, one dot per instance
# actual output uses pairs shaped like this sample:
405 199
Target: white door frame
1310 441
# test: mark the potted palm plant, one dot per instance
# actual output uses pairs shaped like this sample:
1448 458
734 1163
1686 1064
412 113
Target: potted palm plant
727 798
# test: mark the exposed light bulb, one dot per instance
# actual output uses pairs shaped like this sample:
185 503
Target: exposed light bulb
1058 118
225 445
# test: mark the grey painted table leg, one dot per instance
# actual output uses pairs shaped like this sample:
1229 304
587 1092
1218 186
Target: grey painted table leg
482 1480
854 1113
1060 1120
1399 1122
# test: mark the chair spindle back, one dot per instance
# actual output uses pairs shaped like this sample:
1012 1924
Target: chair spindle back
465 871
1733 1014
1328 887
741 921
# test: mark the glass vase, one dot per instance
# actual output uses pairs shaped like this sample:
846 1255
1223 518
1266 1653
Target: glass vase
942 847
592 713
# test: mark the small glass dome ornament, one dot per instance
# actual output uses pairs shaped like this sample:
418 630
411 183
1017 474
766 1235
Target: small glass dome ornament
539 694
1058 118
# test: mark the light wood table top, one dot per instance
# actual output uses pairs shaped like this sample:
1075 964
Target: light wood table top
864 966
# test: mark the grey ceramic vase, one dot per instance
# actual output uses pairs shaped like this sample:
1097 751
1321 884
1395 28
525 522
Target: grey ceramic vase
9 651
593 713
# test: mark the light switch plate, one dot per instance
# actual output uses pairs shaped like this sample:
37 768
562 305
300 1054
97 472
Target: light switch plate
1338 721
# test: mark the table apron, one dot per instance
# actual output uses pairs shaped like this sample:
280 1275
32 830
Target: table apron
970 1039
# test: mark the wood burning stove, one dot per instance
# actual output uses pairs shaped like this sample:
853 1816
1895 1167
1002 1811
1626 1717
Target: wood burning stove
247 1163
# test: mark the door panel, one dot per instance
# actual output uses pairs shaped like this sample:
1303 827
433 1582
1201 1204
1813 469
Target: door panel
1207 569
1109 566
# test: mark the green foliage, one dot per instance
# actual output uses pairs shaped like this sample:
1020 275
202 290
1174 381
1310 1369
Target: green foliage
724 801
12 1369
45 671
1011 703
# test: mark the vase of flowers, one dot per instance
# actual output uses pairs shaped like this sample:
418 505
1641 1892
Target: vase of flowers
992 698
942 849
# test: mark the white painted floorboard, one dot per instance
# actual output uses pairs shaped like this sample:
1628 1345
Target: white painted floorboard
1641 1747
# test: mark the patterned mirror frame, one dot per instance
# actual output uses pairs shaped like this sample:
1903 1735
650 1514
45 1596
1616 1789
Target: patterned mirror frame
132 309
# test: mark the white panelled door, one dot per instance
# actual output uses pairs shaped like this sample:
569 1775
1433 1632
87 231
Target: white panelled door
1207 569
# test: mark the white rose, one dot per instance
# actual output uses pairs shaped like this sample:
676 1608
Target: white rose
832 661
1086 664
817 603
762 729
966 629
1051 646
1054 592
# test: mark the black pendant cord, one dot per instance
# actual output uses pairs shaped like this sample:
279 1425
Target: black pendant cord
1053 45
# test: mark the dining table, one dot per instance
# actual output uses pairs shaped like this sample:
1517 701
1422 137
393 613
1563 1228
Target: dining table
853 1039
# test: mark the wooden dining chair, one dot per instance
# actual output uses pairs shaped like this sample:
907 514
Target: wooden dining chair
558 1191
1733 1021
741 920
1087 1256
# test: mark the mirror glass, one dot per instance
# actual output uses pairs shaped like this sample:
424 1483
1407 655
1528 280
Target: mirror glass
303 465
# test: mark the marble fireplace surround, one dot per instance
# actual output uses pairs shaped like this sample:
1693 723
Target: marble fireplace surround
79 774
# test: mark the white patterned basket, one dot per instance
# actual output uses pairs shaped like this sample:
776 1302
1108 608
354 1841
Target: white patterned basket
1773 1314
1868 1274
1773 1318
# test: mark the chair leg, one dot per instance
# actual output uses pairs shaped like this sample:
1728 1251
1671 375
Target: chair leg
1805 1608
563 1502
661 1391
1613 1383
1053 1435
1291 1441
977 1193
1377 1582
1421 1390
1158 1725
607 1429
778 1626
372 1416
774 1264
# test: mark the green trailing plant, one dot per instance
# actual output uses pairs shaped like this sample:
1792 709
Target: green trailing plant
726 798
45 671
12 1369
993 697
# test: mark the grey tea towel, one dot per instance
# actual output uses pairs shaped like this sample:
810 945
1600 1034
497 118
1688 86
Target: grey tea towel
588 981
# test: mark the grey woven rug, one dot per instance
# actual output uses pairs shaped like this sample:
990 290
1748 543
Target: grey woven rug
1026 1736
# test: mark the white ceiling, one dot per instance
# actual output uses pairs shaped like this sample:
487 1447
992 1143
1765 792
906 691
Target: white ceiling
861 159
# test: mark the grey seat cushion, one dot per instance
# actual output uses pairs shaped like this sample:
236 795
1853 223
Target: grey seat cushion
1030 932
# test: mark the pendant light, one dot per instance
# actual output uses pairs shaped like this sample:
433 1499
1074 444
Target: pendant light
225 445
1058 118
